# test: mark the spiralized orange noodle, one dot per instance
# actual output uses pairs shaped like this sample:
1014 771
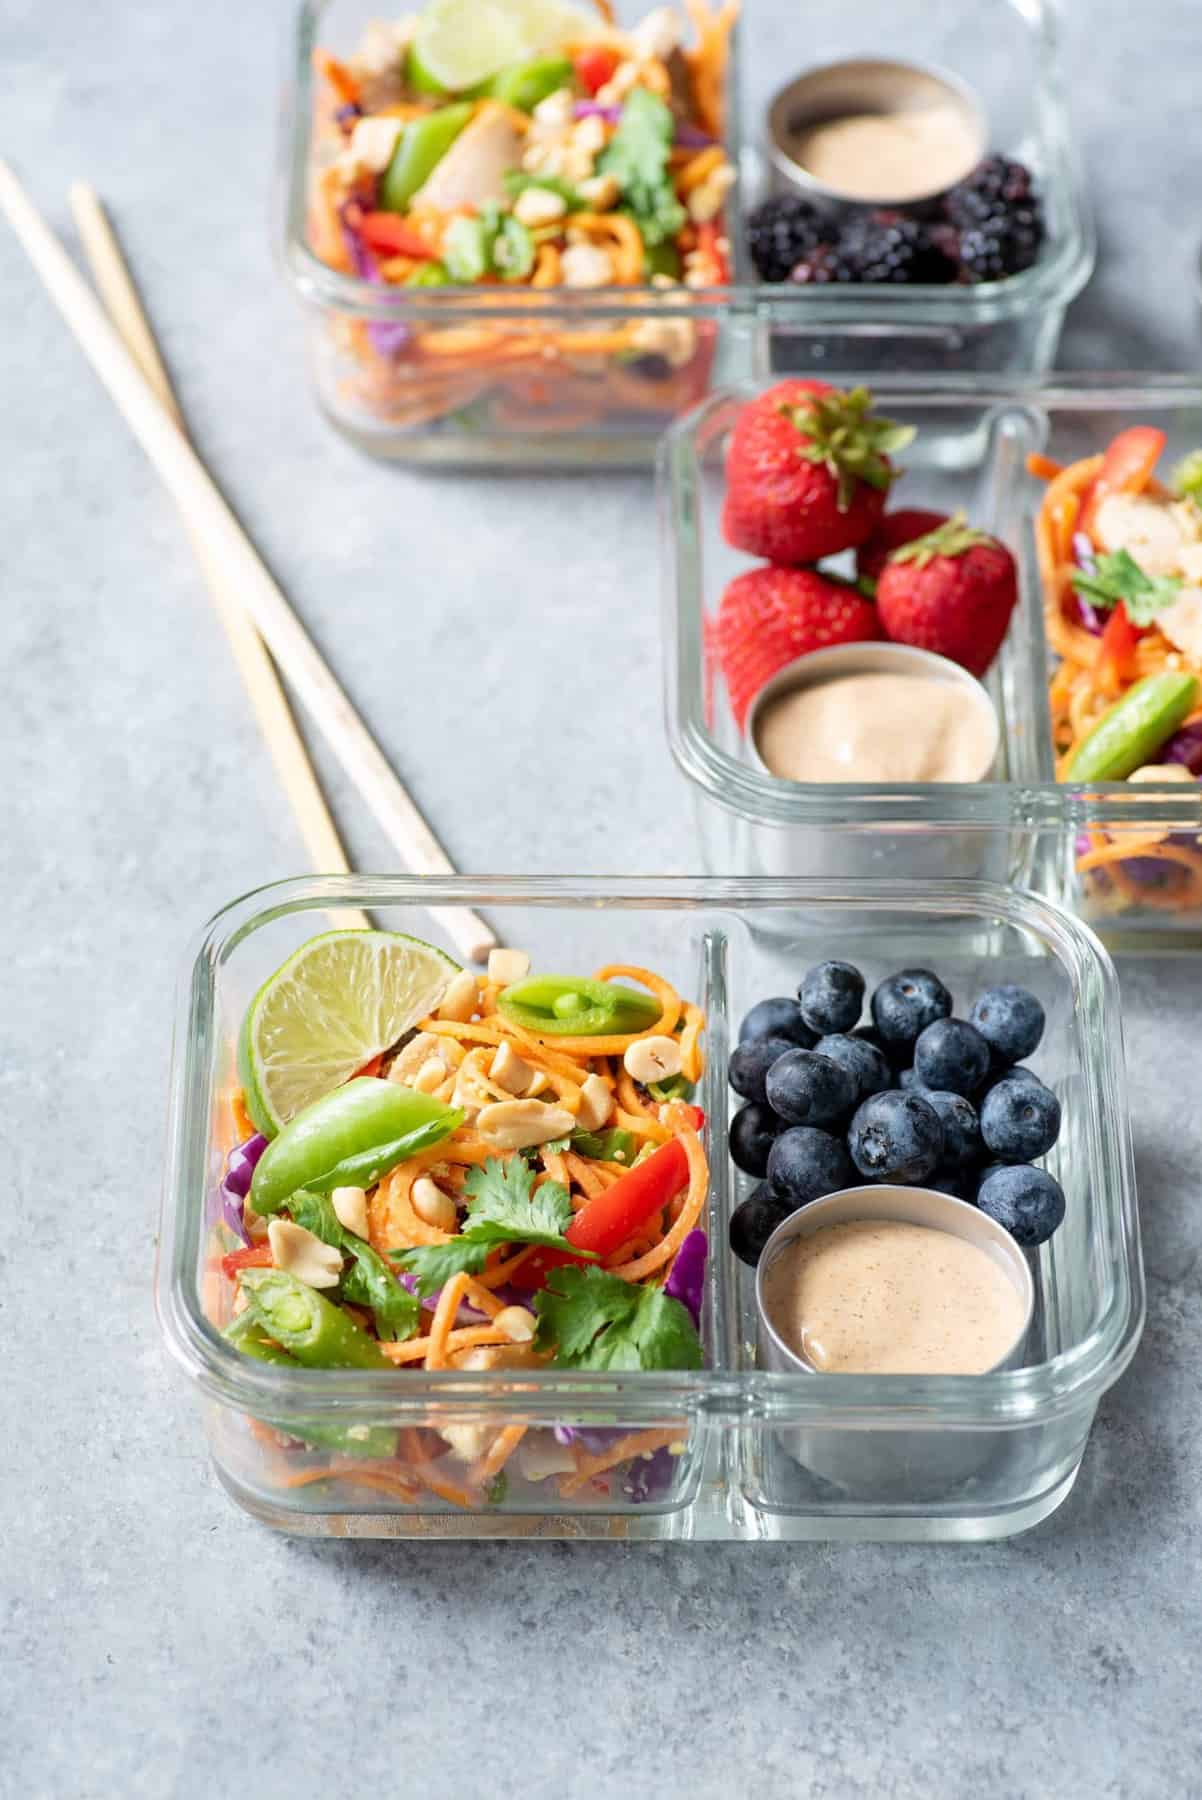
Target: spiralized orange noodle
485 1319
1084 687
364 221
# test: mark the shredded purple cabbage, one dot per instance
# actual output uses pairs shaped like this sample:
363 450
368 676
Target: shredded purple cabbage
1185 746
1089 615
691 137
593 109
1082 844
241 1163
347 114
650 1477
386 338
593 1438
686 1281
1083 552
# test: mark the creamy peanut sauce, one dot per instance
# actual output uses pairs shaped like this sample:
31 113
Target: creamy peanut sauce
877 727
883 1297
889 156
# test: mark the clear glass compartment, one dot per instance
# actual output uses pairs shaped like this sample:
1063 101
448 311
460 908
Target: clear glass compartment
544 383
974 437
717 1470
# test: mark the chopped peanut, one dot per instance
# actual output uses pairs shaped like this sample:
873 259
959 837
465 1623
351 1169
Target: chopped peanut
521 1124
459 1002
518 1324
507 966
510 1071
432 1206
596 1104
652 1059
303 1254
350 1209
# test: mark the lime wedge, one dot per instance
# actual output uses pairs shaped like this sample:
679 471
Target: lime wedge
341 999
460 43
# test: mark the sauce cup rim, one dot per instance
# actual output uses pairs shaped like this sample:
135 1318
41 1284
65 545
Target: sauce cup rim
983 1231
779 126
815 666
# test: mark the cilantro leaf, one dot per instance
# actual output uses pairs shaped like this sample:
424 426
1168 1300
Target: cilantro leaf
1119 577
594 1320
434 1264
503 1195
637 157
504 1207
1187 476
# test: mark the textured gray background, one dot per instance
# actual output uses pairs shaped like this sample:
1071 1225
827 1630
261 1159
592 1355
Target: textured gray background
155 1641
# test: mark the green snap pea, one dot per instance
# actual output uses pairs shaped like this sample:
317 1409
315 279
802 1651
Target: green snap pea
310 1327
524 85
246 1333
351 1137
428 274
1134 729
614 1145
574 1006
420 148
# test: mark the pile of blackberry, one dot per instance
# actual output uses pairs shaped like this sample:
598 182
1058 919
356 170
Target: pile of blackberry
987 227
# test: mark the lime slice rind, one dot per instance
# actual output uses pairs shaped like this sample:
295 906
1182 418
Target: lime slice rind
339 1000
461 43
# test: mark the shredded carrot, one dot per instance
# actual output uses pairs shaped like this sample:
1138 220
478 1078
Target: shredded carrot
690 1043
1043 467
467 1337
344 84
242 1120
365 1474
500 1273
444 1319
489 1466
638 1443
699 167
548 268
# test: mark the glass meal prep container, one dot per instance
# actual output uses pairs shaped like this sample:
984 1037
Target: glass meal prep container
974 437
1006 1446
458 376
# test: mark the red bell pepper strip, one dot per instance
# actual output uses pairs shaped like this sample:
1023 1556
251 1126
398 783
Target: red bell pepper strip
1115 660
389 235
603 1225
596 66
258 1256
1127 467
708 243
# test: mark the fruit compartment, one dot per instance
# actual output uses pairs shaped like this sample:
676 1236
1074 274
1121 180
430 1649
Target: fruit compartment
1007 51
723 1476
973 440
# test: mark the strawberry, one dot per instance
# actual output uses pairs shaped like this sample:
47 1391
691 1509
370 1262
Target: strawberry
770 615
807 472
894 530
951 591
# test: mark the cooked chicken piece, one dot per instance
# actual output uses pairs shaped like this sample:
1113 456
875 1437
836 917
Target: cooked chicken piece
472 171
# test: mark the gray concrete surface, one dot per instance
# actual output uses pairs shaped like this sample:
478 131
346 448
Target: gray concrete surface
157 1643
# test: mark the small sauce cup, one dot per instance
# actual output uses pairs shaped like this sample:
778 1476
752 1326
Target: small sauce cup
883 88
883 1463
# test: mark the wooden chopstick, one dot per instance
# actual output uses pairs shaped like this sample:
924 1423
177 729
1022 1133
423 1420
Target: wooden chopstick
116 288
242 571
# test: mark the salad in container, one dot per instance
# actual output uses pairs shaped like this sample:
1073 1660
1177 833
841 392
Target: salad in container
520 203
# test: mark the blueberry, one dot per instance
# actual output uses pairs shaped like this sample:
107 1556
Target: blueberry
951 1056
805 1164
831 996
1010 1020
1004 1073
750 1138
780 1018
808 1089
865 1064
908 1080
753 1222
962 1143
1028 1202
1020 1120
896 1137
908 1002
750 1062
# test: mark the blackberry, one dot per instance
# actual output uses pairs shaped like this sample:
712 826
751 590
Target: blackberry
780 232
998 218
881 247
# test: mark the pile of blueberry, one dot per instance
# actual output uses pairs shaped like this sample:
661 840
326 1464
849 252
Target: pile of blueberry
918 1098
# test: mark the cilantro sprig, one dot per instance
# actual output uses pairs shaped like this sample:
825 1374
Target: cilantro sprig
1119 577
637 158
504 1207
593 1320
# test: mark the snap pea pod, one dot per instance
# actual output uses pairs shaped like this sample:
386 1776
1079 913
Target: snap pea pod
374 1441
420 148
1133 730
368 1281
575 1006
524 85
310 1327
614 1145
349 1138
